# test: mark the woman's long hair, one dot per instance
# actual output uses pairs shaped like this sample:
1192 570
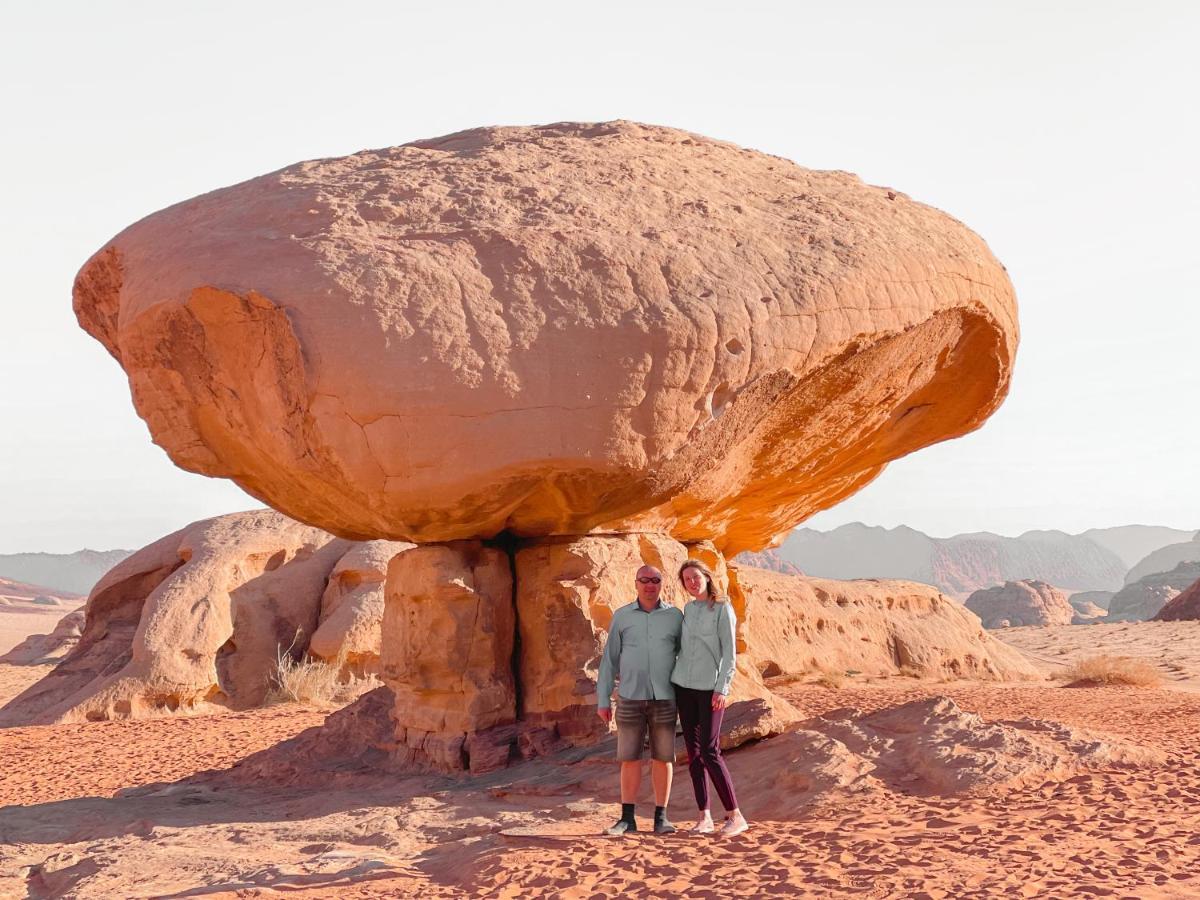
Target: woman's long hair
714 593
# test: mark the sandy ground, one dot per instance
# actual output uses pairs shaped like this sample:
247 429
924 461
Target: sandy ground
118 809
1172 647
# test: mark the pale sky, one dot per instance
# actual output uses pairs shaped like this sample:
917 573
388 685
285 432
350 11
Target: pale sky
1064 133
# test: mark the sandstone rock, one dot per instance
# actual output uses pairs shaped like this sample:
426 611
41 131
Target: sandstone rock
797 625
1086 612
1185 605
768 559
40 649
1021 603
1143 599
448 632
565 329
352 607
1087 600
196 617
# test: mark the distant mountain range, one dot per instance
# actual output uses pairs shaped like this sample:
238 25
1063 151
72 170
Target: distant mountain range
75 572
1096 560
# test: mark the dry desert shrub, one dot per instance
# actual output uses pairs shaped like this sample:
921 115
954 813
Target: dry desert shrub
315 681
1107 669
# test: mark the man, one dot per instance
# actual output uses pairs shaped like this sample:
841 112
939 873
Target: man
643 641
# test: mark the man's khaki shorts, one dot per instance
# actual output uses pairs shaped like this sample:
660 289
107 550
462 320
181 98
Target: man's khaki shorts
637 717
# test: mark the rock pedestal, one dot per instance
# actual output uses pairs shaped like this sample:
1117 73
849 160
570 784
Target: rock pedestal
447 647
487 661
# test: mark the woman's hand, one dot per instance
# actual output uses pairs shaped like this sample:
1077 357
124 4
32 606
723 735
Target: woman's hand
718 701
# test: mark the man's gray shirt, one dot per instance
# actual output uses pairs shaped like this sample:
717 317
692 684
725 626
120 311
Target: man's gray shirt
641 647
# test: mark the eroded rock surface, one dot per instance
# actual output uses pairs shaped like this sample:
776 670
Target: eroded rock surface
556 330
197 617
928 747
1025 602
352 607
800 624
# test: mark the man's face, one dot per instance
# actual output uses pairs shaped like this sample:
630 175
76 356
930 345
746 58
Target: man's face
649 585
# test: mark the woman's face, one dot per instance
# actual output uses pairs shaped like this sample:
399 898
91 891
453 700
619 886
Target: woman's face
694 582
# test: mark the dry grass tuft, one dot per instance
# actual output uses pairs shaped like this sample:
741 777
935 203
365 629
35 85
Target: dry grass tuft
316 682
830 679
1107 669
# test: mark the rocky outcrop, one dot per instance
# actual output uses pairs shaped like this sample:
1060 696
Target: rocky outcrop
1143 599
1017 603
352 607
560 330
926 747
43 649
797 625
1089 600
201 616
67 574
770 560
956 565
1183 606
1165 559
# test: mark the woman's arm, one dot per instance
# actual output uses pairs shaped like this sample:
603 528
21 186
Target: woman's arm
726 630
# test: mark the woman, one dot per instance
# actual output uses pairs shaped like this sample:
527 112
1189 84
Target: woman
702 676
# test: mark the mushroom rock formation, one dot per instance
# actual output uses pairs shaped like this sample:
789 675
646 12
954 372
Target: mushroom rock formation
1145 598
197 617
557 330
1185 605
1026 602
797 625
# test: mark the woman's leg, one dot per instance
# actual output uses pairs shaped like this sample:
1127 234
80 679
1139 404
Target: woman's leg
689 703
710 752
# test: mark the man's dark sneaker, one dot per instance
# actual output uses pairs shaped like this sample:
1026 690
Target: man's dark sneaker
663 826
621 827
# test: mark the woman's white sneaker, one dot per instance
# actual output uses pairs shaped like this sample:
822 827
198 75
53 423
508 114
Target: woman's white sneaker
704 825
734 825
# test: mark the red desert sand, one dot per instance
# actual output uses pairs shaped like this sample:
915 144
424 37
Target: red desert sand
1107 803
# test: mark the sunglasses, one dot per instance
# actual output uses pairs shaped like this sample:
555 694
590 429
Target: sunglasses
647 580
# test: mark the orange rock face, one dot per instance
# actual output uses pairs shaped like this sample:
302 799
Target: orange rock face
448 631
553 331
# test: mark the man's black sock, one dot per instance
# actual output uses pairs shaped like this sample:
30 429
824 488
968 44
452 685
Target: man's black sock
660 813
627 812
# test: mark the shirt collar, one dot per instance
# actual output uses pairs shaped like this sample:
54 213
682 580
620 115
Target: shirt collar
638 606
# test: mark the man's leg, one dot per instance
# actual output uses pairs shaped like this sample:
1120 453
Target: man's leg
631 780
662 744
660 777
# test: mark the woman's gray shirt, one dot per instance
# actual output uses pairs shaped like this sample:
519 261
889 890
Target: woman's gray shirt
707 649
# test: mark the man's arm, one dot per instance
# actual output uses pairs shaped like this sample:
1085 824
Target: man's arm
610 664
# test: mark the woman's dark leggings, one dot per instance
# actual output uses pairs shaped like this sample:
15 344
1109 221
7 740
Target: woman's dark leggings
702 735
